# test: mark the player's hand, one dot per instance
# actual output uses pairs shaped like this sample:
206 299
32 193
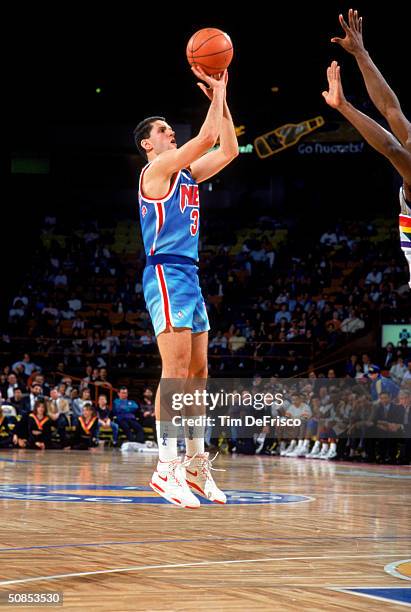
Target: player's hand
335 95
353 41
212 82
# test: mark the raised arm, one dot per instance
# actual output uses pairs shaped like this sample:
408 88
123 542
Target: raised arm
214 161
169 162
379 138
378 89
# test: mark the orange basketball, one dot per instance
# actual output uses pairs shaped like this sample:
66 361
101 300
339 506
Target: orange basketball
211 49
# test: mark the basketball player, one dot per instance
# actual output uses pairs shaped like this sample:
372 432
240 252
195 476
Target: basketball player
170 216
397 151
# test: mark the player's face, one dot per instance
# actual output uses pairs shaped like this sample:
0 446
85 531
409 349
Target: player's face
162 137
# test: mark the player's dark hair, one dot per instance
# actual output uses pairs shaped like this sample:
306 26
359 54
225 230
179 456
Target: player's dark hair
143 131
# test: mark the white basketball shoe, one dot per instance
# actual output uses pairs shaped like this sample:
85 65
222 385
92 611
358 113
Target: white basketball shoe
169 481
199 478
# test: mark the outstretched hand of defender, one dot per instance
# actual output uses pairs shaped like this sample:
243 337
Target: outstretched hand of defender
212 82
335 94
353 41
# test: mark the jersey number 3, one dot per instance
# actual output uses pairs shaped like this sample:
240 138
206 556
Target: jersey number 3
194 216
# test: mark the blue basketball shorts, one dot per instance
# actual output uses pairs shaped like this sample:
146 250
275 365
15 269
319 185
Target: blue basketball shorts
173 297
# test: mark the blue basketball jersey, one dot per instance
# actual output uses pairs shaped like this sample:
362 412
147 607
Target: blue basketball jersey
170 225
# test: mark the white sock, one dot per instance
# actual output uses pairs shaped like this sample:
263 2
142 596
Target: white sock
167 445
194 437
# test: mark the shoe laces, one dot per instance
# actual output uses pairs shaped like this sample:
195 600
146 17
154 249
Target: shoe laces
206 464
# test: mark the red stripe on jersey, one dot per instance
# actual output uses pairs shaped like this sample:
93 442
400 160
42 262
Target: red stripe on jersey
405 221
164 294
172 184
159 224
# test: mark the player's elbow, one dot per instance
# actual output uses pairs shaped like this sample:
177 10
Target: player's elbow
393 150
236 152
231 153
207 140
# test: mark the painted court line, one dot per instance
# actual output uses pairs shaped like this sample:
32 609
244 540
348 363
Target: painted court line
386 600
391 568
135 568
205 540
16 460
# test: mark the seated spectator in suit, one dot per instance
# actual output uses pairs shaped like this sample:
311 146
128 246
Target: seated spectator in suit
7 388
20 402
387 414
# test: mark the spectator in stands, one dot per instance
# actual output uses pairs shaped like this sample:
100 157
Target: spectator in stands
76 305
39 379
9 386
105 420
109 344
86 433
218 344
353 323
398 370
365 363
329 238
381 384
351 367
373 277
147 411
21 403
60 404
283 313
39 427
7 424
36 393
58 422
66 313
404 399
407 375
78 404
298 409
387 415
17 312
27 364
125 412
388 357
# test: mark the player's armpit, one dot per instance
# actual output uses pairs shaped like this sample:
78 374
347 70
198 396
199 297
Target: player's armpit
401 160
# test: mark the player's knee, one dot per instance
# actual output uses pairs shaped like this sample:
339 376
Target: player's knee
198 372
175 371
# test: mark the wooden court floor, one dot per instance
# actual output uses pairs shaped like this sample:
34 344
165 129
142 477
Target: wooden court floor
294 533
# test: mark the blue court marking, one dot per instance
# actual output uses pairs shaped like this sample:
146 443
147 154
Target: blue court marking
50 493
16 460
398 595
229 539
